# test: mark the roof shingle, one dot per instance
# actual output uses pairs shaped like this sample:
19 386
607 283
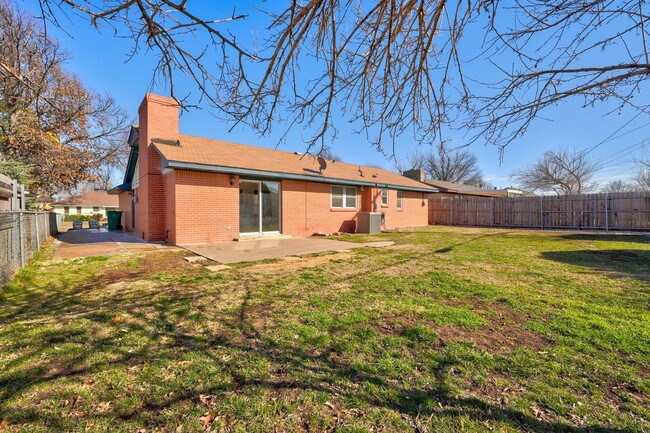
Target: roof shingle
92 198
218 153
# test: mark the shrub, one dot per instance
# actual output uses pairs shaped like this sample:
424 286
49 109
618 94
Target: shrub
96 216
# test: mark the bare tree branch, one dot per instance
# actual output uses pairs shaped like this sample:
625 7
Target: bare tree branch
392 67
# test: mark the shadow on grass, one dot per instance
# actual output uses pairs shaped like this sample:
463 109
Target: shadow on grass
451 247
608 237
301 368
621 263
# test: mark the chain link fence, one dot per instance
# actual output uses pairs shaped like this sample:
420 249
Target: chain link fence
21 235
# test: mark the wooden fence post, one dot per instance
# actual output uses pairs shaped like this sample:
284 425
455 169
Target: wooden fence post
606 212
21 225
14 198
451 208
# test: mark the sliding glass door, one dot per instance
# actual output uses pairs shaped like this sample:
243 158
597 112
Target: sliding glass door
249 207
259 207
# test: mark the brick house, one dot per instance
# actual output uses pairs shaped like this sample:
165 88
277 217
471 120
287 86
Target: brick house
186 189
91 203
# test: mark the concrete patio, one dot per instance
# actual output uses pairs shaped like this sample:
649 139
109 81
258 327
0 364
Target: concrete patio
93 242
272 248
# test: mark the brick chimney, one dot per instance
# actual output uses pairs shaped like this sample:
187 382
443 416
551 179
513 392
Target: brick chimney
415 174
158 119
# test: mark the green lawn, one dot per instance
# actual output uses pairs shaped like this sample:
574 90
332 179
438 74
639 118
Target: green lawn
448 330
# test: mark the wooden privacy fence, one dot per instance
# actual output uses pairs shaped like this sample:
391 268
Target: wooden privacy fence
607 211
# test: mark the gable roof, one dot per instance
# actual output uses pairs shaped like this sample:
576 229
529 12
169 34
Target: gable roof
92 198
204 154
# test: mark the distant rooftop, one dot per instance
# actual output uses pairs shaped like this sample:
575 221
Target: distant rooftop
92 198
459 188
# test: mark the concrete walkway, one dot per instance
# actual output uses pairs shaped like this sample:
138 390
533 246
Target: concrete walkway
92 242
274 248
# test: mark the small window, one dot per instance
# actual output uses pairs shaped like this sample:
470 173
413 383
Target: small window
384 197
400 201
79 210
344 197
66 210
95 209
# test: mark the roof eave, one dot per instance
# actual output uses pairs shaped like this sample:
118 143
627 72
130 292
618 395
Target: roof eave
130 165
134 134
180 165
120 188
85 204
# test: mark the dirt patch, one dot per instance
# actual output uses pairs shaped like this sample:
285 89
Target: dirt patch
258 319
287 266
496 339
504 332
148 265
151 264
620 394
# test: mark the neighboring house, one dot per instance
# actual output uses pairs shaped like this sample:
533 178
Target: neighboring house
90 203
449 189
186 189
462 190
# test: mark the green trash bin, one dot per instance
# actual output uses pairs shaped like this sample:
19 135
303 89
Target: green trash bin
114 218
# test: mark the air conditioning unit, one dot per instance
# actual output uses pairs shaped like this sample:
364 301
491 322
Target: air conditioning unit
369 222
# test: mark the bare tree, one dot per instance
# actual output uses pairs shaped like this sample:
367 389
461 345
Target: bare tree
48 119
457 166
374 165
620 186
642 175
561 172
327 153
391 66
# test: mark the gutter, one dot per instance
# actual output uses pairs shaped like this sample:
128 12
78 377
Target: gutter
263 174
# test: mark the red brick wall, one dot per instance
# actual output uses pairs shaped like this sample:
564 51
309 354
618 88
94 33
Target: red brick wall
306 209
158 119
125 207
206 207
414 212
169 188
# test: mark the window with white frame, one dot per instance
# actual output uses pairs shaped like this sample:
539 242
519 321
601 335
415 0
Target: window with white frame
384 197
400 200
344 197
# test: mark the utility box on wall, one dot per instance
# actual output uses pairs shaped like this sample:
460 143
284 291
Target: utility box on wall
369 222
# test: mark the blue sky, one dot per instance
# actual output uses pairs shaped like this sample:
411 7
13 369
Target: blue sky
100 61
